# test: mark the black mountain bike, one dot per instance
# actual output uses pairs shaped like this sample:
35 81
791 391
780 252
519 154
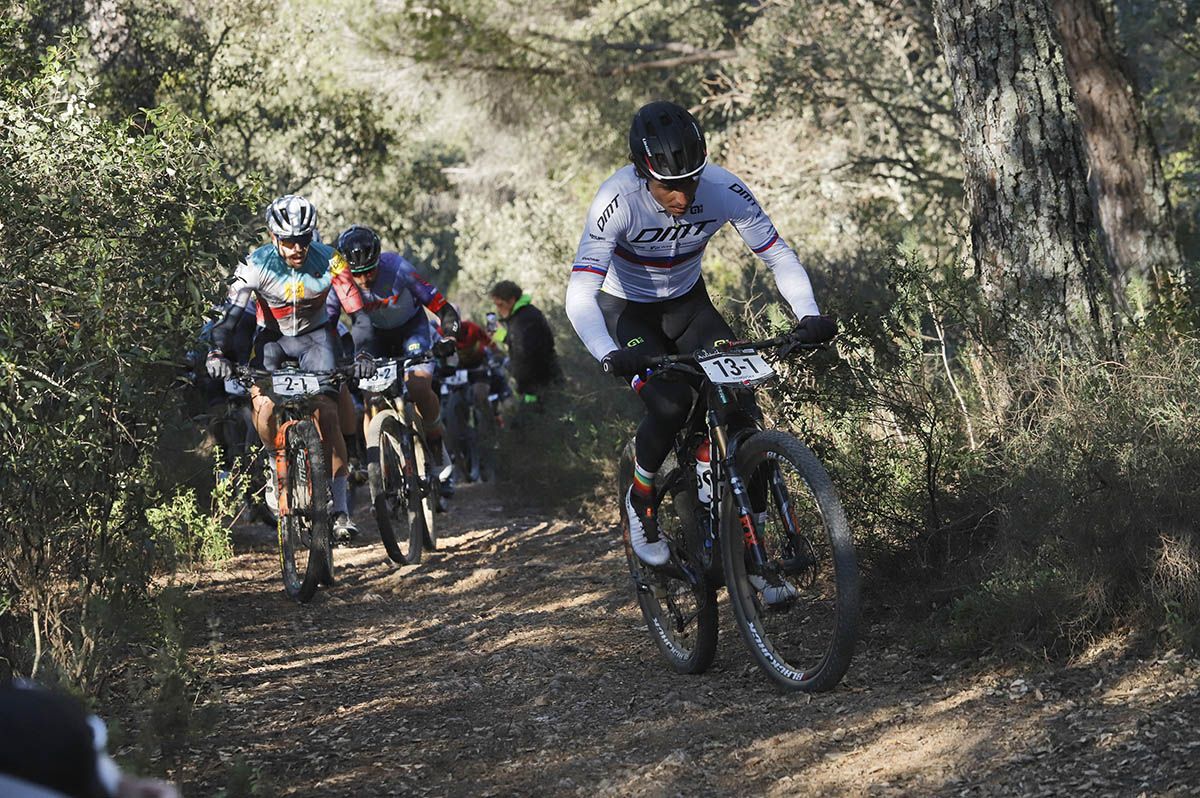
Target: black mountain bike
773 532
470 435
403 479
304 520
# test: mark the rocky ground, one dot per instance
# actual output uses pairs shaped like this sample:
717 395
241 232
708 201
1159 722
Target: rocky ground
514 661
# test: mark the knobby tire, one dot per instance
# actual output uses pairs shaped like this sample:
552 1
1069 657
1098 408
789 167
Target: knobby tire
395 495
680 615
307 530
805 643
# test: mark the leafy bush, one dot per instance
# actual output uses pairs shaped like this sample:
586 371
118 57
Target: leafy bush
1092 492
109 237
185 535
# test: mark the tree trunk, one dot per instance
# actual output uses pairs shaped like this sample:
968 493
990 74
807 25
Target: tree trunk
1032 236
1125 175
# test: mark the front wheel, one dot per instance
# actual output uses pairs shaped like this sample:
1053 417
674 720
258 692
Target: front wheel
394 491
678 603
797 610
428 491
305 530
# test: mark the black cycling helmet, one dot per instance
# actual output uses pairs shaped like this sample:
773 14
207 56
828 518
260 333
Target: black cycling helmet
360 247
665 142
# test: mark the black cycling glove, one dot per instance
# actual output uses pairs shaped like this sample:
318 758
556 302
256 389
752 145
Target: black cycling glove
218 366
625 362
816 329
364 366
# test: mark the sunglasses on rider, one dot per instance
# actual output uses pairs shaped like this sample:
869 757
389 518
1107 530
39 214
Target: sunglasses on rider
681 184
297 241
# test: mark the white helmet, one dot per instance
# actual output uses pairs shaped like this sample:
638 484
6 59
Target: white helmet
291 216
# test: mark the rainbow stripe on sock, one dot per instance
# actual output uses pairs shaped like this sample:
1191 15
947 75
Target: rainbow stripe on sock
643 481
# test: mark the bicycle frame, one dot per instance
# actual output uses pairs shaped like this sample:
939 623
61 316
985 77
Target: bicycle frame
288 410
395 400
716 406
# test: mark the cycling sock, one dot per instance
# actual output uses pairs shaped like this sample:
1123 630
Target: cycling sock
340 495
643 481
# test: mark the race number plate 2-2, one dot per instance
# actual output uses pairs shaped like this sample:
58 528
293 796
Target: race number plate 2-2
384 376
736 367
294 384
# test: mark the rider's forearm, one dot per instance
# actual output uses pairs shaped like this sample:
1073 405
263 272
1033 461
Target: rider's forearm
361 331
792 279
583 310
224 331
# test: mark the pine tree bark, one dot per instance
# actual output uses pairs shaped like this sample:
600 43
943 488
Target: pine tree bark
1032 237
1125 174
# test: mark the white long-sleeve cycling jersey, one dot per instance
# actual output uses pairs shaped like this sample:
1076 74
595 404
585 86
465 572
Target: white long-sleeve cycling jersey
633 249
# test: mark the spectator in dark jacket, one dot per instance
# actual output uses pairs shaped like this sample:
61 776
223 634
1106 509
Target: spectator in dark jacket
530 341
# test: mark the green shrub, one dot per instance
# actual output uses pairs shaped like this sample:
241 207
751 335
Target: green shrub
110 238
566 449
185 535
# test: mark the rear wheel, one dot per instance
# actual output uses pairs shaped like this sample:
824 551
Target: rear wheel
798 610
394 493
305 532
678 603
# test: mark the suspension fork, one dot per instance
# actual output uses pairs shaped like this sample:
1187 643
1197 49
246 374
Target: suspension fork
784 503
725 455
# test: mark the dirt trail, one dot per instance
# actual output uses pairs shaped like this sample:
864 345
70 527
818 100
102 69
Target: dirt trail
513 661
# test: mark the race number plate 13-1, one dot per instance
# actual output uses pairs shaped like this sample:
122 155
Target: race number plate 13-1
385 375
294 384
736 367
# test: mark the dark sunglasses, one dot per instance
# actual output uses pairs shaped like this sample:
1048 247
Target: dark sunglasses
302 241
681 184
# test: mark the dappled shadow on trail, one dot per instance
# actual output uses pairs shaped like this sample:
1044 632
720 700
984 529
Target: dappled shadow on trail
513 661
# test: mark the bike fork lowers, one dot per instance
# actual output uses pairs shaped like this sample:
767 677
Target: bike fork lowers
741 496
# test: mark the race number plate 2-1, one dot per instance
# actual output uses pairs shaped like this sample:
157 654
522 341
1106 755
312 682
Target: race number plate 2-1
385 375
294 384
736 367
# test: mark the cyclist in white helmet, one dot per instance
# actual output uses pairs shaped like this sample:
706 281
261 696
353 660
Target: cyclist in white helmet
291 277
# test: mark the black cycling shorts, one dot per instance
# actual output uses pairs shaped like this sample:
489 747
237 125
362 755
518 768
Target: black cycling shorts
669 327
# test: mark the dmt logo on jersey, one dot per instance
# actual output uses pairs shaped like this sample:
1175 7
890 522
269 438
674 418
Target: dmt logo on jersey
607 214
678 232
743 193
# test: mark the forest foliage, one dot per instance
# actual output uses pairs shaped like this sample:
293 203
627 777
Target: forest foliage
1036 501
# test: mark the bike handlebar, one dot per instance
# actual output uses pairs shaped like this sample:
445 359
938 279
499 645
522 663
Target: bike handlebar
405 361
249 372
779 341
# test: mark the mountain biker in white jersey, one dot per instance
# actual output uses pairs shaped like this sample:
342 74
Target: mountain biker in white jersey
636 291
290 278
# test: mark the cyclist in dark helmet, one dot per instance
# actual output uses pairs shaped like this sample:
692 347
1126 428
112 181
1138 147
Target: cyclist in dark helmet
395 297
636 289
